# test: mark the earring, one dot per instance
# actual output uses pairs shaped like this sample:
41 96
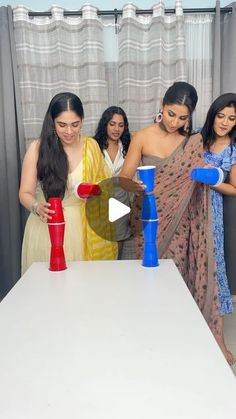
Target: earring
159 117
55 134
186 125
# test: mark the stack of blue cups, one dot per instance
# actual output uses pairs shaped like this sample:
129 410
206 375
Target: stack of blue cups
149 216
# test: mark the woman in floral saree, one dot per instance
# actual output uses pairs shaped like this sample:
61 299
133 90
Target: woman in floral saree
185 225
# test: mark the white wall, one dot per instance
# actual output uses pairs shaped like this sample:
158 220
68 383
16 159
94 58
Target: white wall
44 5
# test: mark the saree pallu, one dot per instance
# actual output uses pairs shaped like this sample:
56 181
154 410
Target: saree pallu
185 225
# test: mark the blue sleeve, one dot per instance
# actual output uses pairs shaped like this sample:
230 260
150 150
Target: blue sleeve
229 158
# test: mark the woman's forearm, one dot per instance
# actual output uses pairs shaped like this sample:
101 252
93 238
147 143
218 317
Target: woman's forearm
225 189
28 201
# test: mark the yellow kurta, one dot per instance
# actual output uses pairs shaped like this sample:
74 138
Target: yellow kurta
80 241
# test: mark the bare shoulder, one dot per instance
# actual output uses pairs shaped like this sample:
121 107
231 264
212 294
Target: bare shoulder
142 133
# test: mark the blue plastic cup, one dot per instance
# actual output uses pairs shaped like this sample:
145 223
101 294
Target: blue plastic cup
150 252
147 175
150 230
211 175
149 209
150 255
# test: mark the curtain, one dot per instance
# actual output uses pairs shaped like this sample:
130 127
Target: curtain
224 51
11 153
225 81
56 54
151 58
198 37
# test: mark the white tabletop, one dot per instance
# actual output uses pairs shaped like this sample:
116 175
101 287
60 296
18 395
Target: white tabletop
109 340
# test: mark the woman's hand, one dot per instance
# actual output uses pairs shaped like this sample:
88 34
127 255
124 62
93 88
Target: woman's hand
131 185
43 211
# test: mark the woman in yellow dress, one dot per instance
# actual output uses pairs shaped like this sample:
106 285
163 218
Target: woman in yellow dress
52 166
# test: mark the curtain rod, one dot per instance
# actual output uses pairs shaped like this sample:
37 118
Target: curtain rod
117 12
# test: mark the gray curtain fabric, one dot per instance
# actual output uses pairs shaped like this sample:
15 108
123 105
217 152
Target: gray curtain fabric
151 58
228 84
60 54
11 153
228 60
224 51
216 76
230 240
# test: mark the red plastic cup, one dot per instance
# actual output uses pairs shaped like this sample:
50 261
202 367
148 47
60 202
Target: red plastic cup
56 232
57 259
87 190
56 205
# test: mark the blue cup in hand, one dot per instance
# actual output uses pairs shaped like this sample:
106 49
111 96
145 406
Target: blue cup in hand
210 175
147 175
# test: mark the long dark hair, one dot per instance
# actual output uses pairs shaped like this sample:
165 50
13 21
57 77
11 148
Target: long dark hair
52 165
101 131
227 100
182 93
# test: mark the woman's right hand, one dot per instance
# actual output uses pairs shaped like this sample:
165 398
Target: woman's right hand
43 211
132 185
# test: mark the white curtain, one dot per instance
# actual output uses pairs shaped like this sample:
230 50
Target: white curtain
130 63
56 54
151 58
199 42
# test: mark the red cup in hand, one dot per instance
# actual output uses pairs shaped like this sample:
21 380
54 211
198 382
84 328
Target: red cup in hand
56 205
87 190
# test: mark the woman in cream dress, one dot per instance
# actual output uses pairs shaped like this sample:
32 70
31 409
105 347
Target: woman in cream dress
52 166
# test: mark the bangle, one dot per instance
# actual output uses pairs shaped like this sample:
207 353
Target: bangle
34 207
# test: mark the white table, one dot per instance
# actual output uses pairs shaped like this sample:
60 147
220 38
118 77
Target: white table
109 340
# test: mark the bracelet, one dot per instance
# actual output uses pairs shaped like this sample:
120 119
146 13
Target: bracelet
34 207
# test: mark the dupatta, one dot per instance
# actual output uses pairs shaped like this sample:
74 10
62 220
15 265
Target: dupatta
95 247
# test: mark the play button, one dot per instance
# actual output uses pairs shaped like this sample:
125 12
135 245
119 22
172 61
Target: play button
108 214
116 209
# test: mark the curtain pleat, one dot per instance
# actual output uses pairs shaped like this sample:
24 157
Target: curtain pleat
12 216
151 58
228 84
60 54
198 37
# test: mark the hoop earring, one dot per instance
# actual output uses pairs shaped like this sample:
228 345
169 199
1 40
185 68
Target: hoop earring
159 117
187 125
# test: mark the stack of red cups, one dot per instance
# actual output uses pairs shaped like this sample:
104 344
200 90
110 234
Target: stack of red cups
56 227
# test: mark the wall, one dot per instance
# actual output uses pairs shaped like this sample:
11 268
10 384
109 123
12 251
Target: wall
44 5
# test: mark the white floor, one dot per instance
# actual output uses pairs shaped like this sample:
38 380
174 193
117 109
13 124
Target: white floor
230 332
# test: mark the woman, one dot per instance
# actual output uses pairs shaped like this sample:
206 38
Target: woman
113 137
52 166
219 136
185 233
